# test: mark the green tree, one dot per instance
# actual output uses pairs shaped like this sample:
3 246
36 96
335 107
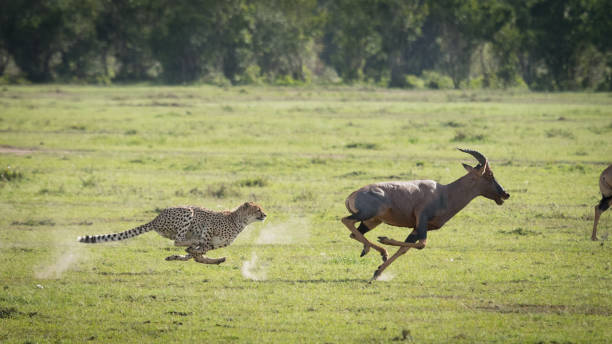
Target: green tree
350 37
399 24
194 38
371 37
123 28
31 31
554 34
463 26
282 35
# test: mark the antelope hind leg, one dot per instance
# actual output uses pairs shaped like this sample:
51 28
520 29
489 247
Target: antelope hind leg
356 234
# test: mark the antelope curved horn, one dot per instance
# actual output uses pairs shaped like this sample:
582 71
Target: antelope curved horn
481 158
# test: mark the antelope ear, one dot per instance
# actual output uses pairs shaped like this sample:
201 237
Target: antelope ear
478 171
469 168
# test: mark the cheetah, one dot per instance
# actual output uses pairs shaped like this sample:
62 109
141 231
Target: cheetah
200 229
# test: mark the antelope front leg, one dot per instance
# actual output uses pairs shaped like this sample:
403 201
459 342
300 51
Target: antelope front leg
388 262
597 215
404 247
418 245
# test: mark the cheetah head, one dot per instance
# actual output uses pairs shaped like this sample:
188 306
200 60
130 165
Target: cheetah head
253 211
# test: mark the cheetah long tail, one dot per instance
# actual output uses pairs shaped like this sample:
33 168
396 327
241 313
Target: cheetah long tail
94 239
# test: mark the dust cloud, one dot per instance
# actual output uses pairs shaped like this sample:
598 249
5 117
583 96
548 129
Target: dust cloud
254 270
67 255
293 231
386 276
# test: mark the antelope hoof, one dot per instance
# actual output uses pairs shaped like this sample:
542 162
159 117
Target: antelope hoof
384 255
366 249
376 275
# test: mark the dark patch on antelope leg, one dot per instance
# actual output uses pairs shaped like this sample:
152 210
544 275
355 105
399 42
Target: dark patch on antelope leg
604 204
363 229
412 238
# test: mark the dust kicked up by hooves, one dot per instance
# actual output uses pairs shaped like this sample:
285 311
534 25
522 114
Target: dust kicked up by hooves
386 276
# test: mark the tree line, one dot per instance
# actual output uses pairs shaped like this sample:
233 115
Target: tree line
540 44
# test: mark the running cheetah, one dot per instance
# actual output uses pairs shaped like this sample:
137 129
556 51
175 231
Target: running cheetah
200 229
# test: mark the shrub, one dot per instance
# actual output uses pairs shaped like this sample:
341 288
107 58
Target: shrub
437 81
10 174
221 191
88 181
414 82
559 133
362 145
461 136
253 182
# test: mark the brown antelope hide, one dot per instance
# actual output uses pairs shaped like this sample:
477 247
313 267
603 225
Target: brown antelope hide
605 186
419 204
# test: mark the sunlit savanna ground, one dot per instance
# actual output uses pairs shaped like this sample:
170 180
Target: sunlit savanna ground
92 160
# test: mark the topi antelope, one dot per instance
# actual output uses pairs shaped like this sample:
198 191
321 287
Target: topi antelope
419 204
605 185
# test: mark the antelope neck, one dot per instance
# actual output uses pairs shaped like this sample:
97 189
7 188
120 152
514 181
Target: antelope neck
460 192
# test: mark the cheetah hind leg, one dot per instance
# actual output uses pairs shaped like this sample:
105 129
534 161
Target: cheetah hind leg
192 252
179 257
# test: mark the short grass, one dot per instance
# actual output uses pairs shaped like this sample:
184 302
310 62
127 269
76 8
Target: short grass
91 160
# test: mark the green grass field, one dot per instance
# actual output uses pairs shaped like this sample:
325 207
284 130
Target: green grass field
94 160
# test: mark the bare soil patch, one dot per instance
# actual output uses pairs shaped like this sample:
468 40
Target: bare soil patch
5 149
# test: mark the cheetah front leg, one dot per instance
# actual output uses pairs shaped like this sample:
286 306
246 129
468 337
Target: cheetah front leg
198 255
205 260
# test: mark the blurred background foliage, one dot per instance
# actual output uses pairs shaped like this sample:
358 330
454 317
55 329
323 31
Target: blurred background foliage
535 44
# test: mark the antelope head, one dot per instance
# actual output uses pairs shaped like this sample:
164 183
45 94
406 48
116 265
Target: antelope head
484 179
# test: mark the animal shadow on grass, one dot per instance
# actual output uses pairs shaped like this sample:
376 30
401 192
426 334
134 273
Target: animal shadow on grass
315 281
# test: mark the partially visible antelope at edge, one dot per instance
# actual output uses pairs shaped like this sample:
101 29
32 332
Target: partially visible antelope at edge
605 186
419 204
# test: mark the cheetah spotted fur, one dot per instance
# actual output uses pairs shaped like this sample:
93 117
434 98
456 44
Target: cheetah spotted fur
200 229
